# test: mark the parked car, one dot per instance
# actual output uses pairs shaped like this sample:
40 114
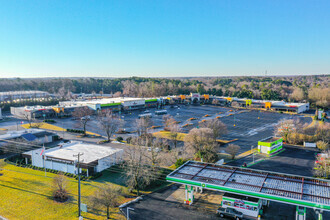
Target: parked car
86 118
229 212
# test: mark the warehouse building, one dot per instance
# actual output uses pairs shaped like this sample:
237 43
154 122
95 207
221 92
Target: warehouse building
94 158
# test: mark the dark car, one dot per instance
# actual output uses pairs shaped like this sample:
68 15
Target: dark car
229 212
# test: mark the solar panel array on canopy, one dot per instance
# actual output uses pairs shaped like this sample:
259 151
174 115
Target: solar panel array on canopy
299 190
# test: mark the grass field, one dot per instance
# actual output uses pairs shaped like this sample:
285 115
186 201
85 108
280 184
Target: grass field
47 126
167 135
27 194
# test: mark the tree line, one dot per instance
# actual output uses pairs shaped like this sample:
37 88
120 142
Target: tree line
289 88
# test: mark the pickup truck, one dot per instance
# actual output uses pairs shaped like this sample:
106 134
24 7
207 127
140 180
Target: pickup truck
229 212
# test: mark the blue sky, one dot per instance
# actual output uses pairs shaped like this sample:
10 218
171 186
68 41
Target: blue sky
117 38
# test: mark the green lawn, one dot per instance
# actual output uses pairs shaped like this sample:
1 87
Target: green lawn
27 194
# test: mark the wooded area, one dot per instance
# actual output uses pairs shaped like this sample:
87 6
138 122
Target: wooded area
289 88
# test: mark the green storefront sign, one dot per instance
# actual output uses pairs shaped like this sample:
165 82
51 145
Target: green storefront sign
151 100
270 147
110 104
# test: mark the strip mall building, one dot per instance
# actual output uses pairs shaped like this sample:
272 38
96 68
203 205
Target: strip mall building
124 104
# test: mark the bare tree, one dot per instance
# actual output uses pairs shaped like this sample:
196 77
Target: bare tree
107 196
201 142
130 88
297 94
59 188
117 94
108 123
142 125
27 116
232 149
83 114
215 102
171 125
168 121
175 129
286 127
323 132
320 96
155 147
62 93
218 128
138 173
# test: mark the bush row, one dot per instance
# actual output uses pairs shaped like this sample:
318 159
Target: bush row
82 177
75 131
49 120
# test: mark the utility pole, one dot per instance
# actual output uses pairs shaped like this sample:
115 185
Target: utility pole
79 195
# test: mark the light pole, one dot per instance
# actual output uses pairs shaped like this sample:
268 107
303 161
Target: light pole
127 215
252 153
63 129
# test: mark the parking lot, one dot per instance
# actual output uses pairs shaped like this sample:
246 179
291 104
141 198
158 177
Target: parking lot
293 160
247 126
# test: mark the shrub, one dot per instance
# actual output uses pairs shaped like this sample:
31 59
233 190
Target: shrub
232 150
120 139
59 188
322 145
128 140
179 162
49 120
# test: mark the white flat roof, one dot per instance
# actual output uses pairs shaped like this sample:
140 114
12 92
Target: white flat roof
104 100
91 152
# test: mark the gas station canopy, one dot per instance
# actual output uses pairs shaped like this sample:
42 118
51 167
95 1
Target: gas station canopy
284 188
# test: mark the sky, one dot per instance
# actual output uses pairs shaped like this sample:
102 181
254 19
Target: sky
163 38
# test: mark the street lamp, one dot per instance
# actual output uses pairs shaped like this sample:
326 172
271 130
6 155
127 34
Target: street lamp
127 211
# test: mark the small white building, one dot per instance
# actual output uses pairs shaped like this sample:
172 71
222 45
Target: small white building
94 158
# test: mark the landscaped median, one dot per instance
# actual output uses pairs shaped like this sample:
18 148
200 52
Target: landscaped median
51 127
167 135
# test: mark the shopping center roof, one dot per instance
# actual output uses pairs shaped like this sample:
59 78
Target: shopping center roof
298 190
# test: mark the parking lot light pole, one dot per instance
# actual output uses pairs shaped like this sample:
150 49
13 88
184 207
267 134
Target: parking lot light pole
127 211
63 129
